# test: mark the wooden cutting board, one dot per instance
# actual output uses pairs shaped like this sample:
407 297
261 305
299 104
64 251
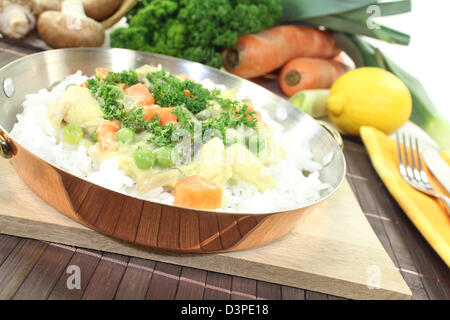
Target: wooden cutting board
332 249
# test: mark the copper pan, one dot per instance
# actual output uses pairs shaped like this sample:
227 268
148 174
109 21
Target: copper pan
136 220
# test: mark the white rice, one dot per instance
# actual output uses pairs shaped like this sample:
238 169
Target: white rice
293 189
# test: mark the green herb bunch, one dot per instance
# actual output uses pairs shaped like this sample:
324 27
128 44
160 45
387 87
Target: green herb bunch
195 30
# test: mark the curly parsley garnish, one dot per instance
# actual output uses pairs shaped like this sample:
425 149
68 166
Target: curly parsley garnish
168 90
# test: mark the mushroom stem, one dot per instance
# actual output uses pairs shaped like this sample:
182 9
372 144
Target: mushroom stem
73 8
16 20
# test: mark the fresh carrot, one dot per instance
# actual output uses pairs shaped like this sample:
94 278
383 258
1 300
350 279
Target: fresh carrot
166 116
309 73
151 112
339 58
102 72
141 94
106 134
257 54
122 86
198 192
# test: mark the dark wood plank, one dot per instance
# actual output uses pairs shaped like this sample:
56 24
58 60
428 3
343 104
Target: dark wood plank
164 282
191 285
135 281
18 47
6 57
312 295
7 244
43 277
87 261
18 264
267 291
106 278
243 288
290 293
377 225
218 286
331 297
436 275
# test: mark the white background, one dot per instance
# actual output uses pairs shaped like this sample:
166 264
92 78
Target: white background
428 55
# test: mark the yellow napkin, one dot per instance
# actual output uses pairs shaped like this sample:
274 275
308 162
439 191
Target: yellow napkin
427 213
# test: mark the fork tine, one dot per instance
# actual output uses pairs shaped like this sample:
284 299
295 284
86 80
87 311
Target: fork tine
405 154
401 162
423 174
413 160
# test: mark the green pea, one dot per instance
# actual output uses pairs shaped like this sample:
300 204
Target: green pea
256 141
164 157
72 133
125 136
144 158
94 136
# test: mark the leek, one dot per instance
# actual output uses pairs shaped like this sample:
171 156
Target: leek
349 16
424 114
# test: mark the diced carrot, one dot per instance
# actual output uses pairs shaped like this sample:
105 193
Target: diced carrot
251 108
151 112
102 72
166 116
187 92
122 86
106 134
141 94
84 84
198 192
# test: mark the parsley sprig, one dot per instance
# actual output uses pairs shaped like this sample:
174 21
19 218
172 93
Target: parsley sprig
128 78
168 90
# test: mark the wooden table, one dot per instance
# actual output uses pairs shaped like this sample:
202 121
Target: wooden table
38 269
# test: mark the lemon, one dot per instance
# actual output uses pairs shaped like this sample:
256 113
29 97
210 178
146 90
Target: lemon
369 97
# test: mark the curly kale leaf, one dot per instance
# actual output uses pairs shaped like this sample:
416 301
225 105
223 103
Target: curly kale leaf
195 30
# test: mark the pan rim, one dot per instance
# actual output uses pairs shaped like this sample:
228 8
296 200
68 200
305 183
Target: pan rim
226 74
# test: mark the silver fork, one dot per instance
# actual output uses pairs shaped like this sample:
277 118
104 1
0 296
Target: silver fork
412 169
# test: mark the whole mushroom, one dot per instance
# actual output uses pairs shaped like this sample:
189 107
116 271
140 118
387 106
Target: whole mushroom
70 27
16 19
100 9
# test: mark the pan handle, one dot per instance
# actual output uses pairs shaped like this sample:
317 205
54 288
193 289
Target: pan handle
6 150
334 133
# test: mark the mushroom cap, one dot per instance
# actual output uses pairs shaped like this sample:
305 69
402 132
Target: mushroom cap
100 9
60 30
